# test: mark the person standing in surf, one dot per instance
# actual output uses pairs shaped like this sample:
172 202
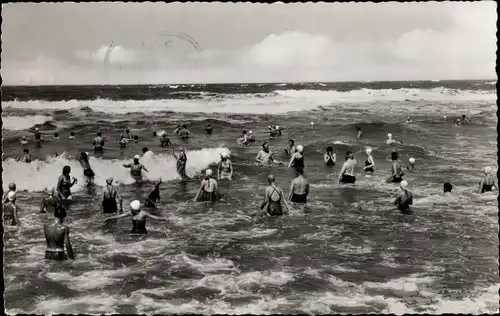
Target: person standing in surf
181 162
404 199
38 137
273 198
110 194
98 143
299 189
138 218
88 173
360 134
487 182
26 157
184 133
297 159
50 202
136 169
209 191
397 172
243 140
330 158
290 149
122 142
12 188
251 138
153 196
346 174
165 141
128 135
225 170
411 165
369 163
10 210
57 236
391 141
265 156
209 129
64 185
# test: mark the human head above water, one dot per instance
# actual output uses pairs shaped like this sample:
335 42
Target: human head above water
26 151
394 156
60 213
447 187
145 149
12 186
270 178
66 170
99 134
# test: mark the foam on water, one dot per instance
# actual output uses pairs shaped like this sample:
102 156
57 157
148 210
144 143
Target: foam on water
18 123
39 175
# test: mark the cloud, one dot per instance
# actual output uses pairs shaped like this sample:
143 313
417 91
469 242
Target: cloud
117 56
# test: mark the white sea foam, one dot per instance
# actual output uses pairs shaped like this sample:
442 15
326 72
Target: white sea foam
18 123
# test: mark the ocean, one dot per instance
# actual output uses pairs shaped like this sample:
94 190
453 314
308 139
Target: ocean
347 251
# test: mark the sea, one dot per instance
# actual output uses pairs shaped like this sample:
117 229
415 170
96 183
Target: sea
348 251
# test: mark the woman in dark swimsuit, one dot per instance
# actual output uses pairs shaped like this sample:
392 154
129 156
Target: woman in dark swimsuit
487 181
153 196
181 162
209 191
10 216
87 170
330 157
297 160
397 170
64 184
138 218
109 196
274 207
369 163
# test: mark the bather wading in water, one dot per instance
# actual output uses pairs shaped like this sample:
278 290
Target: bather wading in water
181 159
50 202
110 194
10 210
397 172
138 218
209 190
154 196
64 185
346 174
273 198
487 182
225 170
88 173
136 169
57 236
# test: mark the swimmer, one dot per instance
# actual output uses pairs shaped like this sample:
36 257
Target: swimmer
265 156
138 218
71 135
465 120
299 189
369 163
391 141
251 137
24 140
50 202
408 120
447 187
109 195
360 133
273 198
136 139
181 162
177 129
312 126
209 129
290 149
272 131
297 160
10 216
209 191
184 134
98 143
225 170
165 141
128 135
56 135
122 141
57 236
155 134
487 182
88 173
243 140
64 184
330 158
346 174
153 196
12 188
26 157
278 130
397 172
411 165
404 199
136 169
38 137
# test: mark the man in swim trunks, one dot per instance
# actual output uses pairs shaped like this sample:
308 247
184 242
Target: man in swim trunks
109 195
369 163
265 156
330 158
181 162
165 141
98 143
57 236
225 170
404 199
136 169
10 210
209 191
297 159
138 218
49 203
273 198
411 165
153 196
299 190
397 172
290 149
26 157
209 129
184 134
487 182
346 174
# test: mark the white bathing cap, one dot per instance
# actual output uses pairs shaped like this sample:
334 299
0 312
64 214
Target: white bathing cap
37 129
109 180
277 127
404 184
250 132
312 123
137 157
11 196
487 170
208 172
269 126
135 205
224 154
412 160
389 135
368 151
300 148
50 189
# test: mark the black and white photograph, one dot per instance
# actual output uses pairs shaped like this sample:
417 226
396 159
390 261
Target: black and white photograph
250 158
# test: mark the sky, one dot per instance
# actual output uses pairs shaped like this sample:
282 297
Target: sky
155 43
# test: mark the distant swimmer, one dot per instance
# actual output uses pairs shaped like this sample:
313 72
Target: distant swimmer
447 187
12 188
225 170
38 137
136 139
184 133
10 214
153 196
165 141
209 129
128 135
24 140
177 129
56 136
136 169
360 134
290 149
346 174
391 141
297 159
26 156
71 135
266 156
299 189
404 199
243 140
181 159
465 120
251 137
272 131
98 143
397 172
122 141
64 184
487 182
312 126
408 120
110 194
330 158
209 191
50 202
369 163
57 237
411 165
88 173
138 218
273 198
278 130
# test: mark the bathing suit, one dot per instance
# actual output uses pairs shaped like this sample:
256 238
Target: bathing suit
123 143
347 178
51 204
330 162
298 162
207 196
88 173
367 163
135 170
98 144
181 164
65 187
55 255
404 204
299 198
486 188
109 202
251 138
274 208
398 177
138 227
165 142
8 215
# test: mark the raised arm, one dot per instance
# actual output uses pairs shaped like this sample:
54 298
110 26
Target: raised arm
69 249
144 168
127 165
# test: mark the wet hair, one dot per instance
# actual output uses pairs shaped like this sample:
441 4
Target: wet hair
264 144
184 126
329 148
136 137
347 154
72 134
447 187
394 155
127 130
145 149
84 156
299 170
66 170
292 141
99 134
56 134
26 151
463 116
359 128
60 212
244 131
154 133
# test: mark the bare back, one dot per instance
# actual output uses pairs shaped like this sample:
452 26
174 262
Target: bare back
55 235
300 185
